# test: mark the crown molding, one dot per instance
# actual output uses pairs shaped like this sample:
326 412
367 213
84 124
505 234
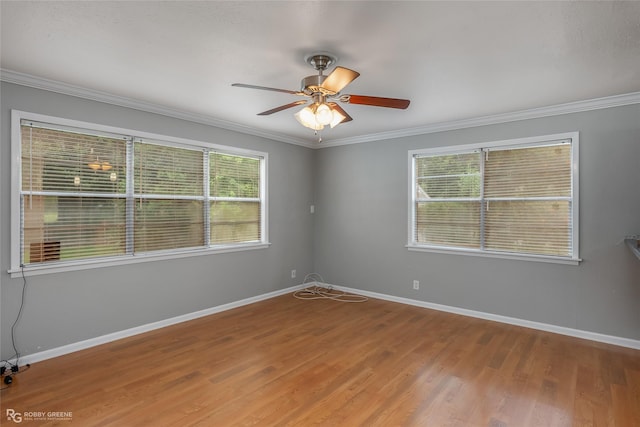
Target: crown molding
534 113
95 95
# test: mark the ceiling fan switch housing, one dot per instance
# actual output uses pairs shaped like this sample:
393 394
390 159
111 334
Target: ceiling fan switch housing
313 84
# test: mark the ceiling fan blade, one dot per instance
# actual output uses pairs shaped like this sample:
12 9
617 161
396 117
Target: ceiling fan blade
335 106
273 89
282 107
339 78
376 101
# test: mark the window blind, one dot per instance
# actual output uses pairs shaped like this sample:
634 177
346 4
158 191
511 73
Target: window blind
93 194
169 197
503 198
72 195
528 200
235 199
447 206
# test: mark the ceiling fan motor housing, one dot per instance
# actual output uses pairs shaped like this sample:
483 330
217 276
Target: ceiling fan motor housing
313 84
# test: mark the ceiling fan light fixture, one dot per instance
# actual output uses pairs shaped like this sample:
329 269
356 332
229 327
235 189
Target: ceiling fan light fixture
317 116
94 165
307 118
324 114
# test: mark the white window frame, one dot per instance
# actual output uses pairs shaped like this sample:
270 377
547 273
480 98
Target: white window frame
573 259
17 269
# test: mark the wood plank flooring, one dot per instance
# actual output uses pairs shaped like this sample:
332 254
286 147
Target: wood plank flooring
287 362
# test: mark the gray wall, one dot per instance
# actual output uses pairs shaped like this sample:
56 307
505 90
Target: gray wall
362 214
356 238
64 308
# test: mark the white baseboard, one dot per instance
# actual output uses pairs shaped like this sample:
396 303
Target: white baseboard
92 342
593 336
103 339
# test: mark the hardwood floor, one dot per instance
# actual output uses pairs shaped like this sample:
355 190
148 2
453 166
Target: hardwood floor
287 362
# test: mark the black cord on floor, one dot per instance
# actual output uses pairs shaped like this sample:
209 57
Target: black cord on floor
14 368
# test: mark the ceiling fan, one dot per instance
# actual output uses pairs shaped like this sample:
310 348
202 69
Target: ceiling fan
324 91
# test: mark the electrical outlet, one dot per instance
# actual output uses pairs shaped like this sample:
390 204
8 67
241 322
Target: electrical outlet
416 284
293 274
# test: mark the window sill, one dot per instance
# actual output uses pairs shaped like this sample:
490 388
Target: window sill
501 255
36 270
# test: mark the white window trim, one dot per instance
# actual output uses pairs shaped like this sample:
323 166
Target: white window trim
16 269
510 143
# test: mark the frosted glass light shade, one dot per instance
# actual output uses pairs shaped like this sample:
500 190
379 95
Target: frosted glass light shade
324 115
338 117
307 118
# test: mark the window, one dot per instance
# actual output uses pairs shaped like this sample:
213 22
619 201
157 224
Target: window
234 197
514 198
168 197
87 193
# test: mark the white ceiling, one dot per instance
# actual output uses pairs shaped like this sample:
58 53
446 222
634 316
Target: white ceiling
454 60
